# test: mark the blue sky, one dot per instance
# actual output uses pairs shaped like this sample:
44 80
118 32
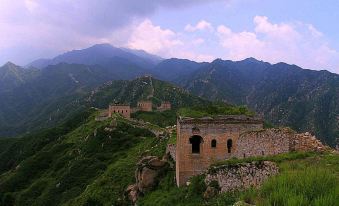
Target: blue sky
303 32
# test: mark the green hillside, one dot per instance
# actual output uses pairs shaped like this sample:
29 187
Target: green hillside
143 88
76 163
85 162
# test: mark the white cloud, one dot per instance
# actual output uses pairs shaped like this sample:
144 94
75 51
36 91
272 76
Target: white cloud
153 39
200 26
165 42
294 43
198 41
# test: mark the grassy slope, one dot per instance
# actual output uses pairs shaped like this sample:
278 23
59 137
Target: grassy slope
85 165
81 163
304 179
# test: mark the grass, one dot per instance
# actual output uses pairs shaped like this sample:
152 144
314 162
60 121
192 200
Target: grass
173 138
304 179
274 158
162 119
213 110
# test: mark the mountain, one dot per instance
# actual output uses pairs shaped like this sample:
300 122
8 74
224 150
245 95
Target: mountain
287 95
175 70
12 76
100 54
55 93
130 92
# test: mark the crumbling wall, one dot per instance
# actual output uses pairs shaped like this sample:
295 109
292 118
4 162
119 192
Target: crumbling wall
241 176
264 142
306 142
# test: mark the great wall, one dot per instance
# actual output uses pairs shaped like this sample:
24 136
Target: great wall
201 142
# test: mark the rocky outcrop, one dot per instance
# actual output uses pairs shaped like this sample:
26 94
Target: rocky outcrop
240 176
149 170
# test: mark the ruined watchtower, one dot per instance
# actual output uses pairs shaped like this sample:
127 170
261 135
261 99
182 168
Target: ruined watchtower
166 105
145 106
123 109
202 141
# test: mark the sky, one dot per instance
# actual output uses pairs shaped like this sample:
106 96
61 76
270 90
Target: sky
303 32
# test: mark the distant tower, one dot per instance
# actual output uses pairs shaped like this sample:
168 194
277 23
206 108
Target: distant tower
164 106
123 109
145 106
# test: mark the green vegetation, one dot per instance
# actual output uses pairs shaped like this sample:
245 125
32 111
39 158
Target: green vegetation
80 162
274 158
84 162
162 119
304 179
213 110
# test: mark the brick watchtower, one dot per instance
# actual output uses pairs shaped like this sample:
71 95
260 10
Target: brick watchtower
202 141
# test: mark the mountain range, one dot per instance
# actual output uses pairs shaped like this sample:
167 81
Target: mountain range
40 94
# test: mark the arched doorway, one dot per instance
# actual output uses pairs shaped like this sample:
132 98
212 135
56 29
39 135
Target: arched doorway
229 145
214 143
195 140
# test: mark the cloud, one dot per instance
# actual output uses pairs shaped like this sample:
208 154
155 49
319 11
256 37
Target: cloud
198 41
201 25
165 42
58 25
153 39
295 43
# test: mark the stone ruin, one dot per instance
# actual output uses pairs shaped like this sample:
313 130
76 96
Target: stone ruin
203 141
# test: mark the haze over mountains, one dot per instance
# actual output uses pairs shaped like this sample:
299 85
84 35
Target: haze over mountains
39 95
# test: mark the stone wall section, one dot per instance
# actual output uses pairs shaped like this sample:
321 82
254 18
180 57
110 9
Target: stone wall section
264 142
241 176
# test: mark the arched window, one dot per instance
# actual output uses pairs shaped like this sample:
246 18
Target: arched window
214 143
195 141
229 145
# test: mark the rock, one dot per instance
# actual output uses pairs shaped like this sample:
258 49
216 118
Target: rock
156 163
133 193
210 192
146 180
149 169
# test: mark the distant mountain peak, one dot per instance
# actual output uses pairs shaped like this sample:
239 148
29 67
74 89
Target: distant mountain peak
10 64
251 59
